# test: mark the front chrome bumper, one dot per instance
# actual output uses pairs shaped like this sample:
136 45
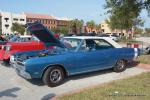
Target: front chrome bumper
21 71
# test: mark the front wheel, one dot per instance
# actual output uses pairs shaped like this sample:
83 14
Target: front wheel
53 76
6 62
120 66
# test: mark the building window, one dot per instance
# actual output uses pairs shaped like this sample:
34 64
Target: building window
6 19
6 26
21 19
49 21
27 20
15 19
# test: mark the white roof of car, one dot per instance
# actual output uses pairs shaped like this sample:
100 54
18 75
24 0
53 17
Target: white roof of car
108 39
24 36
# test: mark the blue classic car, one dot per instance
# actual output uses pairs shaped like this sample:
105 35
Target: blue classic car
73 55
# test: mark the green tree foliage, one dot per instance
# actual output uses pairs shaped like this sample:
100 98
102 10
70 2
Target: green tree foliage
18 28
124 14
63 30
147 30
76 25
138 31
91 24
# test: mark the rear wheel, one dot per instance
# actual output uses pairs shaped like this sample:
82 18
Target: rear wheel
120 66
53 76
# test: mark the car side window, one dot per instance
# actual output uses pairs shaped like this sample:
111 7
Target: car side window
103 44
83 47
98 44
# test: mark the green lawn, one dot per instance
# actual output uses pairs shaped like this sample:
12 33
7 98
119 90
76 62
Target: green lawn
134 88
145 59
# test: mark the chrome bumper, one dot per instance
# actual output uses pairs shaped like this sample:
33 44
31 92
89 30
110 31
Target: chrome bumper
21 71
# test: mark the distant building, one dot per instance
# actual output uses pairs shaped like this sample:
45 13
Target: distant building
62 23
106 29
7 19
48 21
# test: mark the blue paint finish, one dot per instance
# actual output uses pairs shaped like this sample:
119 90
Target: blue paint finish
76 62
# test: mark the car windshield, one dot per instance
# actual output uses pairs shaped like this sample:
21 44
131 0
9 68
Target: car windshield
15 38
70 43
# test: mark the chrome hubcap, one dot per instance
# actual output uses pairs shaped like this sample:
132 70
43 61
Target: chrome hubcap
120 64
55 76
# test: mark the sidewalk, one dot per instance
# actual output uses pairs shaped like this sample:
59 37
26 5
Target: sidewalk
144 66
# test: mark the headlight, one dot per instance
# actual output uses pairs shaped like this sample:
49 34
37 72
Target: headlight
12 58
8 47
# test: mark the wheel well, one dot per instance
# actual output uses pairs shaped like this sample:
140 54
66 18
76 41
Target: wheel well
64 70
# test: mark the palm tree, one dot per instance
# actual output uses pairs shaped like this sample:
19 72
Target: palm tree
91 24
76 25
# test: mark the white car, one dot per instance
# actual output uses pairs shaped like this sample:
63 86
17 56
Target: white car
115 38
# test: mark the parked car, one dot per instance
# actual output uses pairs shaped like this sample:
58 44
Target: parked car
2 41
147 50
113 37
78 54
14 39
21 45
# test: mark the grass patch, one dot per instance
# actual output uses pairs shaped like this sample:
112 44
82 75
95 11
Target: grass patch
145 59
134 88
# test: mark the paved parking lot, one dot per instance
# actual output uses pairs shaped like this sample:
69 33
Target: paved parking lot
13 87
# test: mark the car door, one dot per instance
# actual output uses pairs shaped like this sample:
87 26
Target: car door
94 58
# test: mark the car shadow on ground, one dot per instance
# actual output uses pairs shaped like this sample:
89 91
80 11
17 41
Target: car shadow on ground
84 75
9 92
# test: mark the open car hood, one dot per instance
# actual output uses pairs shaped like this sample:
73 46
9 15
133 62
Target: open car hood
43 34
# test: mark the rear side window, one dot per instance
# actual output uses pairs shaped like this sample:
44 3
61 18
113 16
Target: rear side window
98 44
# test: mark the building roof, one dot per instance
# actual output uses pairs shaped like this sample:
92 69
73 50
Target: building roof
38 16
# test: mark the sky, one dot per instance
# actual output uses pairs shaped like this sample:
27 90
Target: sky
81 9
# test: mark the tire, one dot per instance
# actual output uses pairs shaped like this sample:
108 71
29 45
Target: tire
120 66
6 62
53 76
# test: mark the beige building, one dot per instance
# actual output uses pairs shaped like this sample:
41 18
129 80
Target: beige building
7 19
105 29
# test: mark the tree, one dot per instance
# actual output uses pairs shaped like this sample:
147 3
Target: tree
123 14
98 27
63 30
138 31
147 30
18 28
91 24
76 25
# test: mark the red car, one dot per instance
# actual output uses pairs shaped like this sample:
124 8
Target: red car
37 42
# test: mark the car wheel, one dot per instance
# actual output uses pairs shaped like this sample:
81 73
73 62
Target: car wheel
120 66
6 62
53 76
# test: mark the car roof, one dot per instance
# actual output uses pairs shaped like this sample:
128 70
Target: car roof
108 39
24 36
85 37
